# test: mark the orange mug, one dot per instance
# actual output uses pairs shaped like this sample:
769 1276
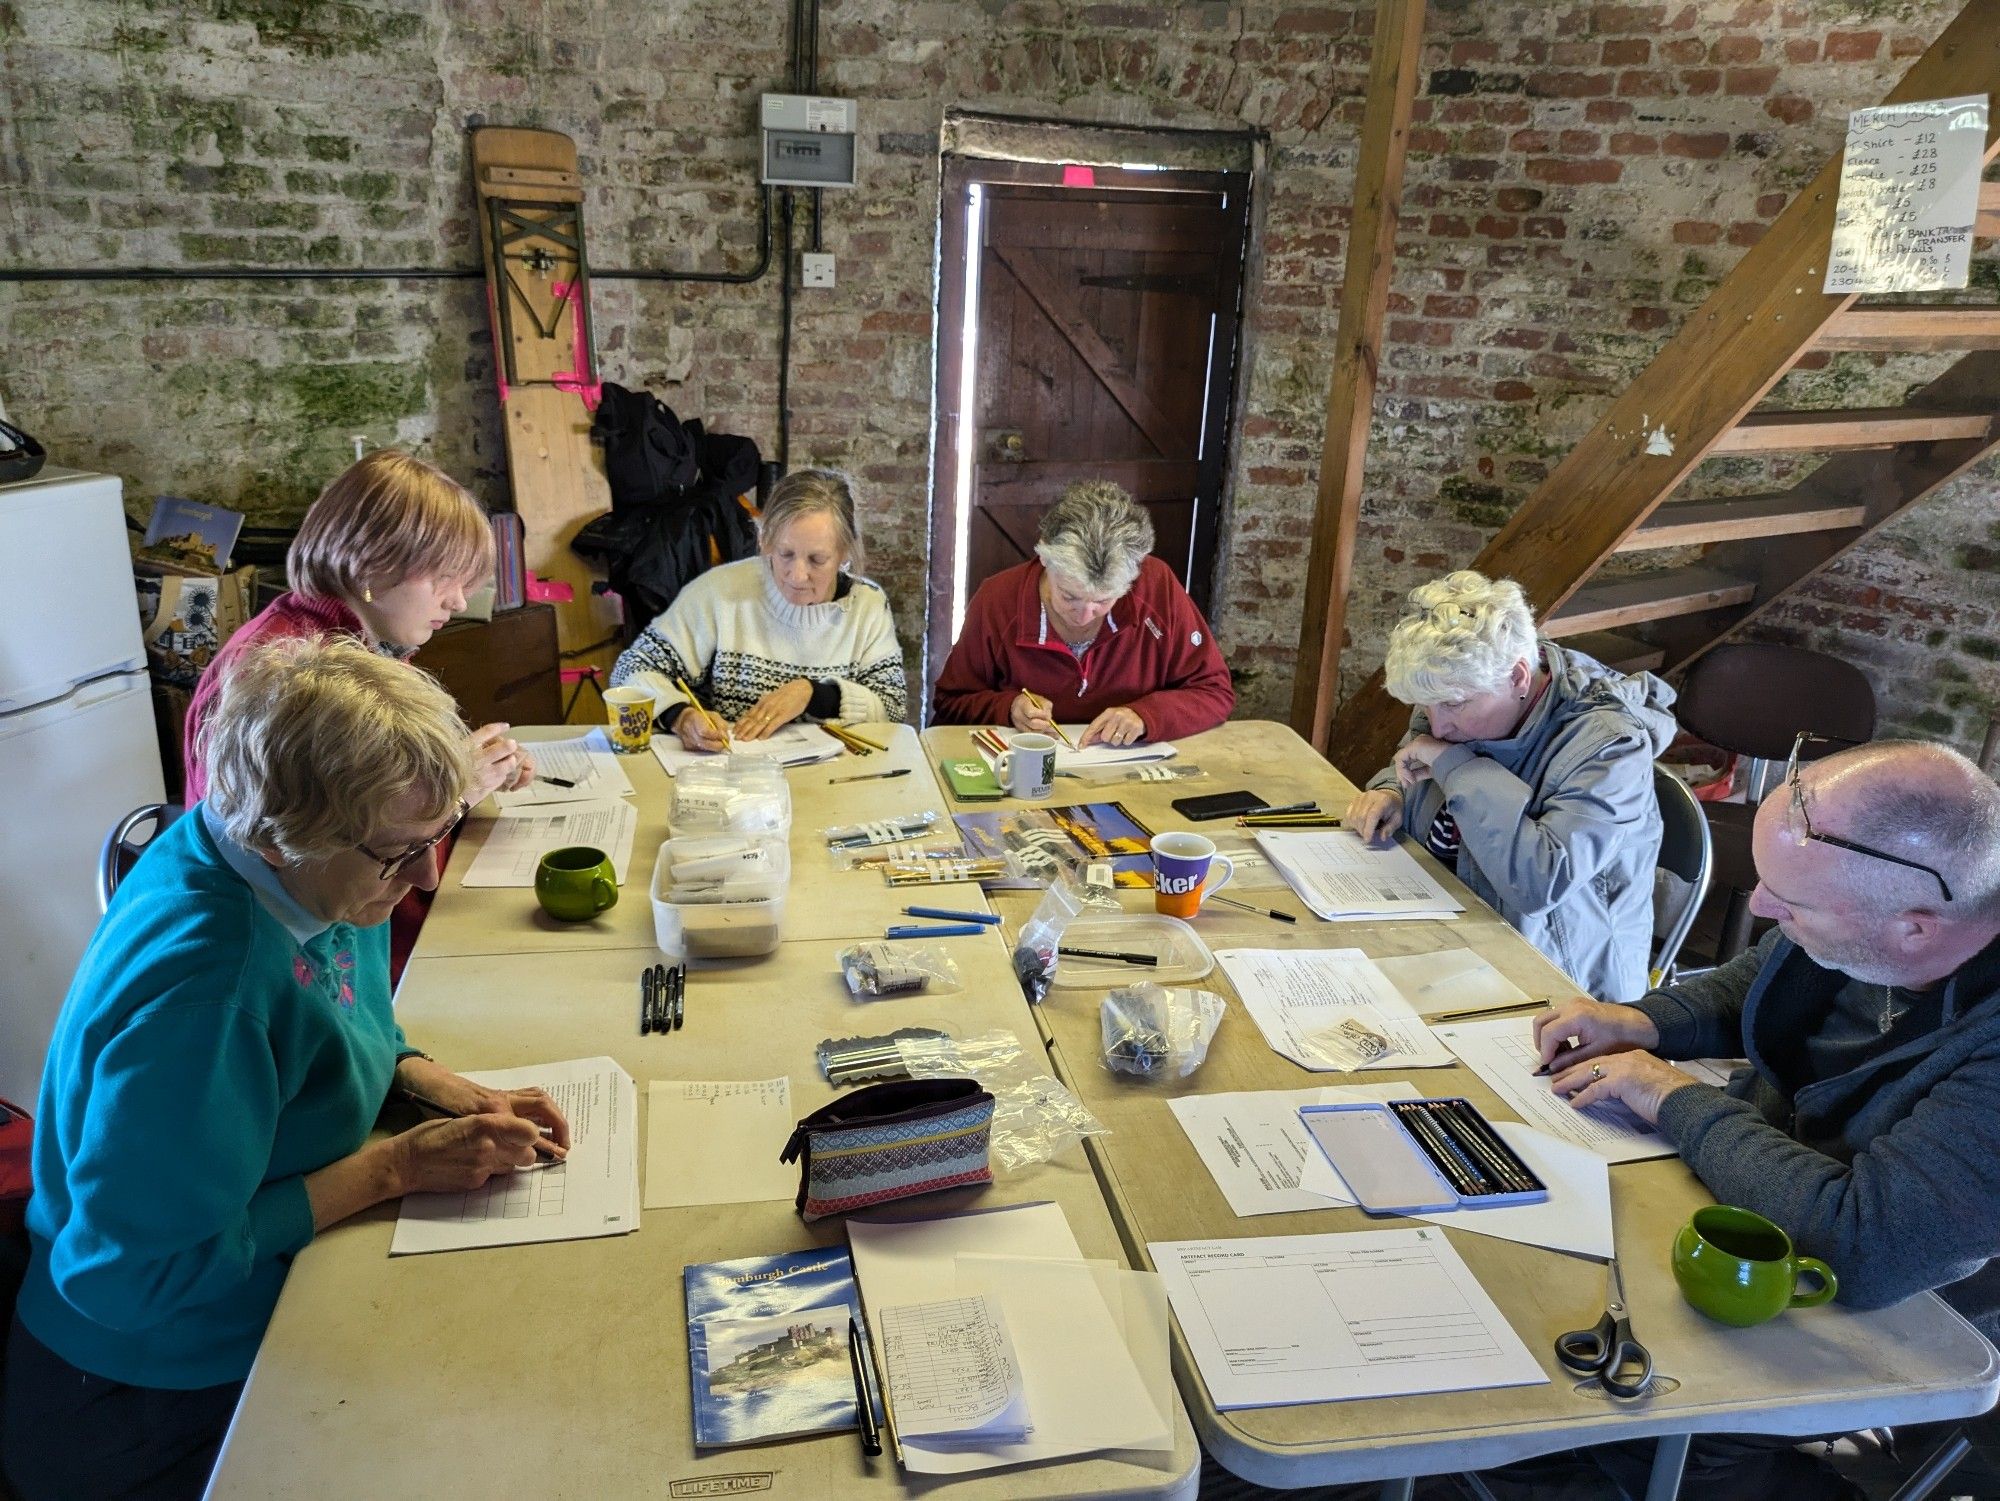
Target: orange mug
1181 866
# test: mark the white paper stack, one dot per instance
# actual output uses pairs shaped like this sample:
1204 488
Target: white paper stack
1330 1010
796 744
587 763
1095 755
519 838
1340 876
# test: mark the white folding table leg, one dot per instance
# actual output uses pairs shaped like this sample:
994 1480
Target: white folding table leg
1668 1462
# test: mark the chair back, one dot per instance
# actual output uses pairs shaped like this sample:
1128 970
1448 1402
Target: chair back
1753 697
126 842
1687 855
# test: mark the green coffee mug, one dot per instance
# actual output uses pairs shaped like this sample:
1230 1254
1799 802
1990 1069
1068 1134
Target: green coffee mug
576 883
1739 1268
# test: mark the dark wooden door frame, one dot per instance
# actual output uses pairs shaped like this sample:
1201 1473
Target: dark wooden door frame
956 179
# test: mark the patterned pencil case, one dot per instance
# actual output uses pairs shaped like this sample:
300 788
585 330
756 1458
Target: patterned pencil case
892 1141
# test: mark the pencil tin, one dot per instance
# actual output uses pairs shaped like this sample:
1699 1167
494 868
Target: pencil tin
1421 1156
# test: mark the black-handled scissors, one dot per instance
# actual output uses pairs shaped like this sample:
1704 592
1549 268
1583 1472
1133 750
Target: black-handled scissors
1608 1351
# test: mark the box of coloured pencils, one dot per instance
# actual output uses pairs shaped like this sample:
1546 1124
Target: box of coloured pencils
1421 1156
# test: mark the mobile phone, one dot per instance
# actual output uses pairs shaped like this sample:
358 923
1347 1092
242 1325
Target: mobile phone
1217 805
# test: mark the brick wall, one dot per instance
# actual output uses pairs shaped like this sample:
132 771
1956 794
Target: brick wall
1581 176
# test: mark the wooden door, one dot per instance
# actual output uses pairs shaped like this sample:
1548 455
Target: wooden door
1102 347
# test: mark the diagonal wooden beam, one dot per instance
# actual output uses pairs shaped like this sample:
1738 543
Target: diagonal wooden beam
1350 397
1725 358
1061 309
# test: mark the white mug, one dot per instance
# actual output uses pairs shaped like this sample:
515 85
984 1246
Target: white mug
1027 768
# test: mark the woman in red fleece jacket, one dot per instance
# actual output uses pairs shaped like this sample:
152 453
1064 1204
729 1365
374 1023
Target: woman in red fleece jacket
1096 630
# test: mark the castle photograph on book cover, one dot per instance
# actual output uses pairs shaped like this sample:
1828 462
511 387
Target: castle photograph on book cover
767 1346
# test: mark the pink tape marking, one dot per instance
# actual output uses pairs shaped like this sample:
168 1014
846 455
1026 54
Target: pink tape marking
1079 177
586 386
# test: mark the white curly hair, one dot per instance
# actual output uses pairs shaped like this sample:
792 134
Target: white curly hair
1460 636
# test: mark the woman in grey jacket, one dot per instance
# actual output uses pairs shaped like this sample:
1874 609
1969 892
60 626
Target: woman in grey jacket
1528 770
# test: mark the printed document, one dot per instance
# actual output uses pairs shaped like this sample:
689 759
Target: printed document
796 744
587 762
1330 1010
519 837
1256 1148
1338 875
1502 1052
718 1143
594 1191
1327 1318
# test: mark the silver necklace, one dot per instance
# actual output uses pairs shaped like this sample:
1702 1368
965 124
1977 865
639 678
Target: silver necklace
1890 1011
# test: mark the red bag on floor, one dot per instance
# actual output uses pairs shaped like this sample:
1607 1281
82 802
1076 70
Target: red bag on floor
17 1137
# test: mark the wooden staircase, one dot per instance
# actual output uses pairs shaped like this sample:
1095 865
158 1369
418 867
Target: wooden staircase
1611 498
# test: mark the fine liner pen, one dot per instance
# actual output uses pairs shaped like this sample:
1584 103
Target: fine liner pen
645 1001
946 914
864 1398
542 1148
556 781
680 973
1228 901
872 776
1151 961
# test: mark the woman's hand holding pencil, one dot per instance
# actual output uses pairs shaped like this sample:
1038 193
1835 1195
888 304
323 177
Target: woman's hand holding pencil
700 728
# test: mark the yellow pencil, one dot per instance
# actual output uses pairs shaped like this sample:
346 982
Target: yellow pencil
702 709
1035 700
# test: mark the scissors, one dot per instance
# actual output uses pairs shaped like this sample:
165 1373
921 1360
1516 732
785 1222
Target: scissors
1607 1350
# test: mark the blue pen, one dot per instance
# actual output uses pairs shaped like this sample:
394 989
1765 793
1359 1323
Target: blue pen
919 930
984 919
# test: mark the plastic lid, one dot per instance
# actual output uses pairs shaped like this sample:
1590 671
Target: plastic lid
1182 954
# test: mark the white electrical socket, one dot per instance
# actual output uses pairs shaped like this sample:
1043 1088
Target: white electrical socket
816 269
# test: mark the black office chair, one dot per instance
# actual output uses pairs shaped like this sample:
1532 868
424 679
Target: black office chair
1688 856
127 841
1754 698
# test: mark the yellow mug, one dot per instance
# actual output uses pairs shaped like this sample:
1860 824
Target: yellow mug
631 711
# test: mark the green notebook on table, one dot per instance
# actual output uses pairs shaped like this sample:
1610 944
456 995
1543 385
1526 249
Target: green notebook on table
971 779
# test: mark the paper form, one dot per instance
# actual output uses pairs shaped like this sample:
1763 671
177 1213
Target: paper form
1297 997
1094 755
1576 1218
1502 1052
594 1191
797 742
1451 980
587 760
718 1143
1327 1318
951 1372
1337 875
918 1261
521 836
1257 1149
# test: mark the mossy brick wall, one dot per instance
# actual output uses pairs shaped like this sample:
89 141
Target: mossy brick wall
1581 175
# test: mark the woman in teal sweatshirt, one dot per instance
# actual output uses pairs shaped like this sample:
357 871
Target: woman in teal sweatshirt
219 1064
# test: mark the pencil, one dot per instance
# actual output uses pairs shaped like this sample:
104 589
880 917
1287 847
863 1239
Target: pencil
701 708
1475 1011
1036 701
542 1148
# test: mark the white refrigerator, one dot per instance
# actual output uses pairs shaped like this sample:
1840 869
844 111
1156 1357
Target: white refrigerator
77 746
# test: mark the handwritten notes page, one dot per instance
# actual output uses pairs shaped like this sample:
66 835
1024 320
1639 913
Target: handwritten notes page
1326 1318
1338 875
952 1374
1330 1009
718 1142
1909 193
595 1191
1502 1052
520 837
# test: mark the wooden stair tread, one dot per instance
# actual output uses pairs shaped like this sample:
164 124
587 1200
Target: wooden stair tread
1913 326
1987 224
1691 523
1621 653
1676 591
1860 427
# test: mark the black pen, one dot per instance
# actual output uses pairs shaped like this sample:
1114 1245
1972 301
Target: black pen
645 1001
542 1148
1312 807
1230 901
555 781
872 776
659 973
864 1398
680 975
1152 961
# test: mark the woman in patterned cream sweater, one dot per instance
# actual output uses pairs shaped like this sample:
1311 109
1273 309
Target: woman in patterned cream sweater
770 639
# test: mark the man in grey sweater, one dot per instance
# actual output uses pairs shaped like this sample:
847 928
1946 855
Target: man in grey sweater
1868 1122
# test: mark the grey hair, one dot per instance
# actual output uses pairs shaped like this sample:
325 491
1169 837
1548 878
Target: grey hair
1097 536
312 739
804 492
1460 635
1949 819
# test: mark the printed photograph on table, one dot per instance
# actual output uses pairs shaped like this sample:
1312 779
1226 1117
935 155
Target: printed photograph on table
767 1346
1043 842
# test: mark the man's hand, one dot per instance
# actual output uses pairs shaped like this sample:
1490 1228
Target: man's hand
774 710
1029 712
1375 815
1116 726
1637 1080
1580 1029
1413 761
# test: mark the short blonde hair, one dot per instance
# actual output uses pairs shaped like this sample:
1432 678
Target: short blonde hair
313 738
1460 635
804 492
387 517
1097 536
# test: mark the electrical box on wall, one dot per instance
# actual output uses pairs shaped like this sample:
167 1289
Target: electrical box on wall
808 141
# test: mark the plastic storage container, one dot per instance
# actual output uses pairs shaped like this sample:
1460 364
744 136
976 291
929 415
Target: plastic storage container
724 867
732 795
728 929
1181 954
